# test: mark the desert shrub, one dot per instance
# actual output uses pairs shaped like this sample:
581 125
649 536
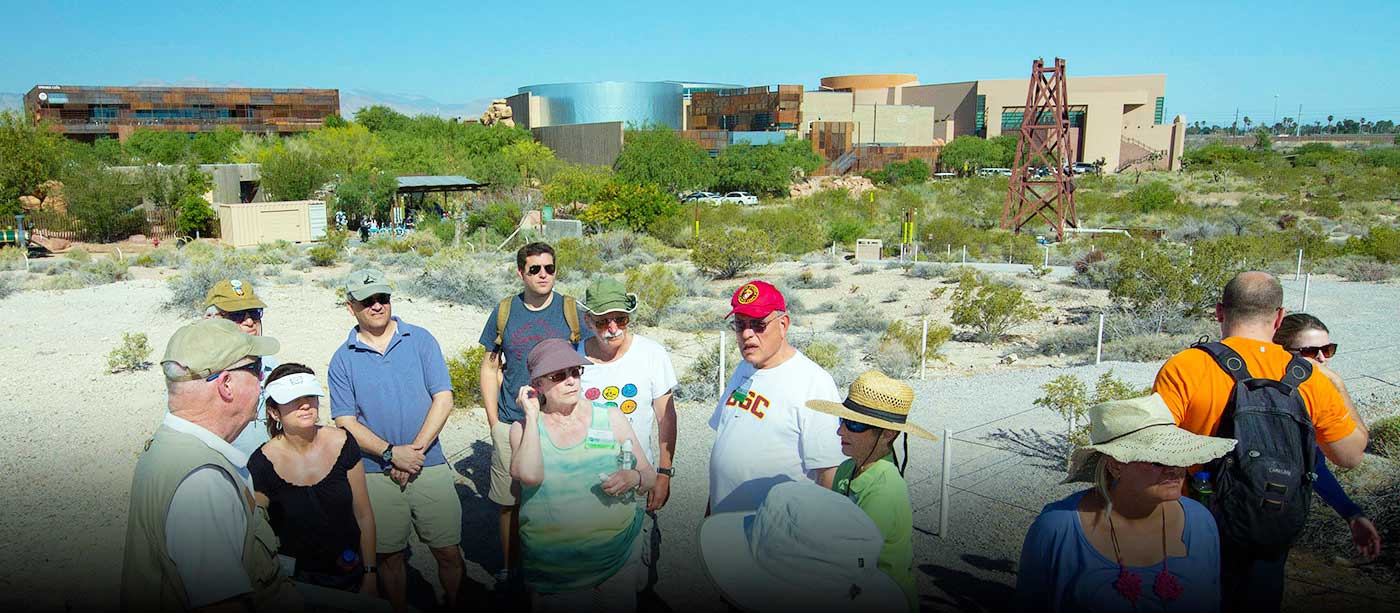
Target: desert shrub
130 353
990 308
825 353
10 285
101 271
1069 340
337 239
1189 284
1366 270
1095 273
865 269
695 316
78 254
633 206
411 261
11 258
858 317
724 253
1152 197
616 245
1152 347
279 252
187 290
1325 206
700 381
1069 396
808 279
302 264
1380 242
323 255
656 291
1385 436
894 359
576 256
160 256
927 271
465 371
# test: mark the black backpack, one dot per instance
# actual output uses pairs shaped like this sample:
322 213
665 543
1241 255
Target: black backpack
1263 488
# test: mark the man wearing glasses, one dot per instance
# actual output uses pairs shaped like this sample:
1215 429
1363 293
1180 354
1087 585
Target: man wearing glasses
390 389
514 328
766 435
234 300
633 373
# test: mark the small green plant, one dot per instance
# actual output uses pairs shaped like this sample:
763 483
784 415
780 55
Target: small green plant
130 354
160 256
825 353
576 256
465 371
808 279
337 239
323 255
656 290
724 253
1385 436
989 308
1068 396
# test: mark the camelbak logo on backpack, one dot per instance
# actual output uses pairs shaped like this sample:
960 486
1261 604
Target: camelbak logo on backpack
1263 488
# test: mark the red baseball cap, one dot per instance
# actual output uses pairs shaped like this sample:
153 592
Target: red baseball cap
756 299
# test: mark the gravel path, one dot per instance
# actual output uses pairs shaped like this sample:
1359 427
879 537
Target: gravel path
73 433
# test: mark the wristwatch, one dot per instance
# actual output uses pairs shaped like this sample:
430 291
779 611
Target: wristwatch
669 472
388 457
371 569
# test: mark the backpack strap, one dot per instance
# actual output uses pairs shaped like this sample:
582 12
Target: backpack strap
1297 371
502 315
1228 360
571 317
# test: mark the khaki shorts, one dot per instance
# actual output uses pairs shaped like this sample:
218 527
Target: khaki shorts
505 491
428 506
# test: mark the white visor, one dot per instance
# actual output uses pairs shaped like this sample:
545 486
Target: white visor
295 386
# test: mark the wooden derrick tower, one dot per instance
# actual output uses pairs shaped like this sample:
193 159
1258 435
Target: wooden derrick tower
1041 180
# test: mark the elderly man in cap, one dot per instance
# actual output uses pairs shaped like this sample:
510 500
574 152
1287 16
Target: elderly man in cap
194 537
633 373
766 434
390 390
234 300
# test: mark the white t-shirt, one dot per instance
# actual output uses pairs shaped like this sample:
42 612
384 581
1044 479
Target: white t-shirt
633 382
770 436
206 523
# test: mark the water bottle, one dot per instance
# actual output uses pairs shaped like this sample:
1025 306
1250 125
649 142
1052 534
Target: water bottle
627 461
1200 485
347 561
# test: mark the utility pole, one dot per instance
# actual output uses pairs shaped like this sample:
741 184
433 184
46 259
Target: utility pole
1298 129
1275 122
1234 127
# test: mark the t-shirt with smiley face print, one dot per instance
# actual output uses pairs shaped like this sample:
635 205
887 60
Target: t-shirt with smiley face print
631 383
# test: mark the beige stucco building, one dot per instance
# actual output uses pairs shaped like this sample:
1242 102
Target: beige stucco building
1117 119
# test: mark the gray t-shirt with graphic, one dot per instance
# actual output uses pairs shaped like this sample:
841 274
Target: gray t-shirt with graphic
524 329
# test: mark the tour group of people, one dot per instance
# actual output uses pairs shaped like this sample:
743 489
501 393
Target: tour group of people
243 499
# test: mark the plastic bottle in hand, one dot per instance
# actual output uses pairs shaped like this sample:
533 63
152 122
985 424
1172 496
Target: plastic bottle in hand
627 461
1201 488
347 561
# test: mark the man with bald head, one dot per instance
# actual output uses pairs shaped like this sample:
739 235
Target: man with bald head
1198 390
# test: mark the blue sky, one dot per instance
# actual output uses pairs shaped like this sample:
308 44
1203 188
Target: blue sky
1334 57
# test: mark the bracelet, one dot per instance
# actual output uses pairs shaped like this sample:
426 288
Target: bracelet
639 480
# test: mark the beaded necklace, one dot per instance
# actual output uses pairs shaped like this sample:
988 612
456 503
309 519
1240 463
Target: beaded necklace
1129 584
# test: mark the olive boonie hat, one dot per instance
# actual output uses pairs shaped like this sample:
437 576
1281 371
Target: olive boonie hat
362 284
606 294
233 295
211 345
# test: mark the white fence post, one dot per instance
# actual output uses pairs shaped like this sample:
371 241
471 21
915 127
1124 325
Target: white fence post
721 364
1098 353
1306 282
943 489
1299 273
964 254
1047 256
923 350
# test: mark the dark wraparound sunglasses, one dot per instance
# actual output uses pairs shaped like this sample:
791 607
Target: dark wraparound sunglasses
534 269
1327 351
559 376
238 317
254 367
373 300
855 426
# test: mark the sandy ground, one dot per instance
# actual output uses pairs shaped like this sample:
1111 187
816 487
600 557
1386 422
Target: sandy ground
73 432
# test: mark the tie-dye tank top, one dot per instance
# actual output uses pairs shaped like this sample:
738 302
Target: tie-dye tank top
576 536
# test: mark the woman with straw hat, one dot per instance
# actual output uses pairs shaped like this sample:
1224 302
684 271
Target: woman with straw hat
875 413
1130 543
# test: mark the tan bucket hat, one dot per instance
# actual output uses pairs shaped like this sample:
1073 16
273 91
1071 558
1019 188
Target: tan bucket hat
877 400
1141 430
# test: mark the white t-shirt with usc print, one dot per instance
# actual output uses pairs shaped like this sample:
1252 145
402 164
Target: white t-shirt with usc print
770 436
632 383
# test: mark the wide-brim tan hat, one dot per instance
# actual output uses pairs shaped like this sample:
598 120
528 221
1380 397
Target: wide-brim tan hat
877 400
1141 430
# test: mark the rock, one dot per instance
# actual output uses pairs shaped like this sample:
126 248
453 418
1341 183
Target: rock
498 112
1011 358
29 203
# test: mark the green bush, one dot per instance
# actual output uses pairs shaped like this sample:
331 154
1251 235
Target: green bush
767 169
894 359
990 308
1380 242
1069 340
1152 197
825 353
1069 397
659 156
576 255
101 271
912 172
323 255
724 253
656 290
196 217
910 336
464 370
628 205
130 354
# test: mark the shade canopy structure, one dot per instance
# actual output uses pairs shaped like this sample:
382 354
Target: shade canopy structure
413 190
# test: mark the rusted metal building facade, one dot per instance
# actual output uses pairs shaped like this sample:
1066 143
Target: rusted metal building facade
774 107
86 113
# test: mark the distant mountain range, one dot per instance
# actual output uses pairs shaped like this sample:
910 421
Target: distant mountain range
351 100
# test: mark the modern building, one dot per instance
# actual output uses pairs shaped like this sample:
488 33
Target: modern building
1119 119
87 113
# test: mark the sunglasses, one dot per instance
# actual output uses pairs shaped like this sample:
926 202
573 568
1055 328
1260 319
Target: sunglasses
1327 351
560 376
855 426
254 367
757 325
239 317
373 300
534 269
602 321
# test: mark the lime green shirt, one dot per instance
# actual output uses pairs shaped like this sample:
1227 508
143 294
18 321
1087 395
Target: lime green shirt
882 493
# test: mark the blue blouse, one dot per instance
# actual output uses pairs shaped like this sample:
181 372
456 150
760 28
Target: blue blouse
1062 571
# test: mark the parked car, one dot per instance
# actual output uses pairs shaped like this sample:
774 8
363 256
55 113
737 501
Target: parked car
701 196
1081 168
992 172
739 198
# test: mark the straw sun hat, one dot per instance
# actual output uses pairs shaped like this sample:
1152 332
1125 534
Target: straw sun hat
877 400
1141 430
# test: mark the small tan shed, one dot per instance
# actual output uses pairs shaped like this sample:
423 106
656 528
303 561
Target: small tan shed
247 224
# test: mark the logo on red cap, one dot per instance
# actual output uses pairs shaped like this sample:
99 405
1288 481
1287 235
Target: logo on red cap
747 294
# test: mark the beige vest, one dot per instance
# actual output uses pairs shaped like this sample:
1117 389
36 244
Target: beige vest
150 581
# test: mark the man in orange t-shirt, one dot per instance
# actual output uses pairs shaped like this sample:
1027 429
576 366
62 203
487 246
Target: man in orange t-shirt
1196 390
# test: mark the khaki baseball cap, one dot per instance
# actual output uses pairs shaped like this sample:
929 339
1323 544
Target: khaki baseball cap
233 295
211 345
362 284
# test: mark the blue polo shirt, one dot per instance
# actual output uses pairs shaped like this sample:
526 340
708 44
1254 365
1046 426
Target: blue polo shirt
390 393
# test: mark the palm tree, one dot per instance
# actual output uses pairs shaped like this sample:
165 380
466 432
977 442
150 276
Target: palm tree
1246 123
1329 123
1361 129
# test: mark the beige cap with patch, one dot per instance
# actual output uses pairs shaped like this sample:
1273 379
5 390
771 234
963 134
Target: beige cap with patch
211 345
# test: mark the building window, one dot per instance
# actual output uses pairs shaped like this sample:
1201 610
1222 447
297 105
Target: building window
1161 110
1011 118
981 125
